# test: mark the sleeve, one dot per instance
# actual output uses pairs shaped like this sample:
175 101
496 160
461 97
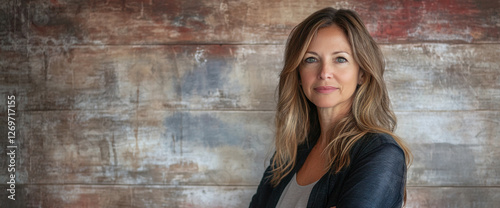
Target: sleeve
264 190
376 178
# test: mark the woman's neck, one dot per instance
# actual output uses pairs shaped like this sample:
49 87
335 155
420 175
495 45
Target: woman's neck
328 118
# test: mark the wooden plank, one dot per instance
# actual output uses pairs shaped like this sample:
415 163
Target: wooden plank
437 21
458 197
129 196
156 77
443 77
230 77
143 147
97 78
216 196
251 22
229 147
452 148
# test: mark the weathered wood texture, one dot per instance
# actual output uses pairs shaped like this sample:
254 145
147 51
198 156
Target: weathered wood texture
125 196
111 196
248 22
452 148
426 76
209 148
171 103
155 77
158 147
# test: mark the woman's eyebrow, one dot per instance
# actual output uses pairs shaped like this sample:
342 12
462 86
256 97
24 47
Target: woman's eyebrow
337 52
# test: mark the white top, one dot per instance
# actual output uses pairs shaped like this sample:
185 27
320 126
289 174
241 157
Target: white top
295 195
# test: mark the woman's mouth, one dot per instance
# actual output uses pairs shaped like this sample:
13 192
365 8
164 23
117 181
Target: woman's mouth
325 89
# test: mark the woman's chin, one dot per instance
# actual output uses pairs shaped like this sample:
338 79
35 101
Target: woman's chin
324 105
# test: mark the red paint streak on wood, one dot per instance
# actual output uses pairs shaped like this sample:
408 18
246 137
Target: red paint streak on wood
422 20
176 21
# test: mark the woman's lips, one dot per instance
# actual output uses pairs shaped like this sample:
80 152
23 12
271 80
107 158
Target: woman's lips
325 89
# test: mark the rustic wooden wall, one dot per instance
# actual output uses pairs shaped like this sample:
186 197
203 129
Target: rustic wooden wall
169 103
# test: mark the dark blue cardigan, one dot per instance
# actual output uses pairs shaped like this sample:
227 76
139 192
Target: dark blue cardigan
376 177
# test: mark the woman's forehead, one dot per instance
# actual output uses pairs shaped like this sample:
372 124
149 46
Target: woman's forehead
330 38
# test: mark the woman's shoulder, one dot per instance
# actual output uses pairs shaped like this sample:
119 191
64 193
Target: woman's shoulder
375 141
379 139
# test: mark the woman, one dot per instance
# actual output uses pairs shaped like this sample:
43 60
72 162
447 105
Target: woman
335 145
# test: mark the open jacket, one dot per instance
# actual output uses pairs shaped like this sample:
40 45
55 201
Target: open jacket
376 177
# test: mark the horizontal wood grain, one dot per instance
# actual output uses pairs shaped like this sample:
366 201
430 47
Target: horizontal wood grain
250 22
143 147
432 77
443 77
452 148
458 197
82 196
229 147
157 77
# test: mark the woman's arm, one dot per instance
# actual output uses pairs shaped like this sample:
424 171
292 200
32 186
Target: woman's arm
264 190
376 178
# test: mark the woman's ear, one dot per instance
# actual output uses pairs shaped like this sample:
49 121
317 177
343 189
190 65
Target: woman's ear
361 76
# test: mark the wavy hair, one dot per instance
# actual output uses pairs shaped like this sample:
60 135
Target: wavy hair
296 117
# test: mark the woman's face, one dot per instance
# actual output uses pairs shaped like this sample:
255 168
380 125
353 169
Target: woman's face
328 72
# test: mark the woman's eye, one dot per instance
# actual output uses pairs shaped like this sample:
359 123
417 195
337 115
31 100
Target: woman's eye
341 60
310 60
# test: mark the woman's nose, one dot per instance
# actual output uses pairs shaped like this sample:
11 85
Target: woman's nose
326 72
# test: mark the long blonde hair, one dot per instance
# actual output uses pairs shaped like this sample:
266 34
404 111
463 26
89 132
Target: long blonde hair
296 117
